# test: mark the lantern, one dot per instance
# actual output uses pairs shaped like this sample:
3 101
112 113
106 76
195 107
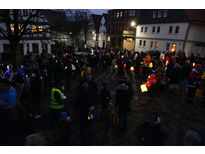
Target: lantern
132 69
167 62
193 64
90 116
116 66
124 66
141 62
143 88
150 65
122 56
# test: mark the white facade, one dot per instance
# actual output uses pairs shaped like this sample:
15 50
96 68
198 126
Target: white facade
159 37
34 41
185 38
102 34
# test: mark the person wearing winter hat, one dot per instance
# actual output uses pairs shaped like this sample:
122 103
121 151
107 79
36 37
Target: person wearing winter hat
192 138
193 83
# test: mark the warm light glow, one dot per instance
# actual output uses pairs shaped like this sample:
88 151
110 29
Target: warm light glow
124 66
150 65
122 56
143 88
116 66
172 50
40 28
193 64
34 29
132 69
108 38
167 62
12 27
141 62
133 23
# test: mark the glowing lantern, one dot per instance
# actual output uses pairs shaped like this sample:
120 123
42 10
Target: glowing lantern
193 64
141 62
122 56
132 69
90 116
150 65
116 66
167 62
124 66
143 88
172 50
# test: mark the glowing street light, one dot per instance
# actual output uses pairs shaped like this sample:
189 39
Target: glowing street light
133 23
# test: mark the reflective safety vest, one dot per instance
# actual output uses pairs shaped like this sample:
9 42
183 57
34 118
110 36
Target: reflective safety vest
54 104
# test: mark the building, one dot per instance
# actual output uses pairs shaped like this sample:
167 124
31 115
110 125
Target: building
102 32
38 38
171 30
120 34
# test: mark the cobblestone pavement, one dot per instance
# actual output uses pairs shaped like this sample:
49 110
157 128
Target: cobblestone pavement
176 116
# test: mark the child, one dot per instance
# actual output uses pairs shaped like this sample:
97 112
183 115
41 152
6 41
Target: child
110 115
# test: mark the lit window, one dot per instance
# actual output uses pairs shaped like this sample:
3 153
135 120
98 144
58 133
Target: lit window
117 14
34 29
12 27
144 43
170 29
168 46
140 43
177 29
121 14
159 13
40 28
158 29
151 44
165 13
156 44
154 14
153 29
108 38
20 28
145 29
141 29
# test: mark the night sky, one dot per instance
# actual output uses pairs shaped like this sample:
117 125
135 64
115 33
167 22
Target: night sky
98 11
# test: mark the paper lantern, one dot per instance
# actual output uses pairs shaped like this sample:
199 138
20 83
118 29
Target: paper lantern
143 88
124 66
122 56
193 64
132 69
150 65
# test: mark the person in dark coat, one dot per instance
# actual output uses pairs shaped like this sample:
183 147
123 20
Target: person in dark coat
123 98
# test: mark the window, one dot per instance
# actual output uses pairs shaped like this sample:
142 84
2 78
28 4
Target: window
141 29
40 28
140 44
170 29
132 13
121 14
117 14
34 29
154 14
12 27
159 13
156 44
177 29
153 29
144 43
151 44
108 38
145 29
165 13
168 46
158 29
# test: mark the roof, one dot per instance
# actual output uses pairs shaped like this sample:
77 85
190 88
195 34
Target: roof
173 16
96 20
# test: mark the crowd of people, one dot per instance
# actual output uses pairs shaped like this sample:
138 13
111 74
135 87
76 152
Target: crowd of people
38 94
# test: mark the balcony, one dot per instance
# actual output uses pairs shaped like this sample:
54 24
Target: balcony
128 33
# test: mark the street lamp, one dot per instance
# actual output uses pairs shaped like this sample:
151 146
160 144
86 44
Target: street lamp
133 24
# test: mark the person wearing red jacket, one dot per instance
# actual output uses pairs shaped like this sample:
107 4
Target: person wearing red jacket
193 83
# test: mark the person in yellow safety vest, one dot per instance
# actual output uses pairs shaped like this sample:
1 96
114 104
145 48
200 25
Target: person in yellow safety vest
58 99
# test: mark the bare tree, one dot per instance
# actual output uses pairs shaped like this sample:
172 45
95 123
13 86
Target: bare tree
15 26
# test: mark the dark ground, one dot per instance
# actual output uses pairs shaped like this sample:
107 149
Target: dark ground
176 116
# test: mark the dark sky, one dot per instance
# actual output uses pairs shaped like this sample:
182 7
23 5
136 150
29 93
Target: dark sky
98 11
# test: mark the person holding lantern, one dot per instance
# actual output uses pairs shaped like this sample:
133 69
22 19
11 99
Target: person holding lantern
193 83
